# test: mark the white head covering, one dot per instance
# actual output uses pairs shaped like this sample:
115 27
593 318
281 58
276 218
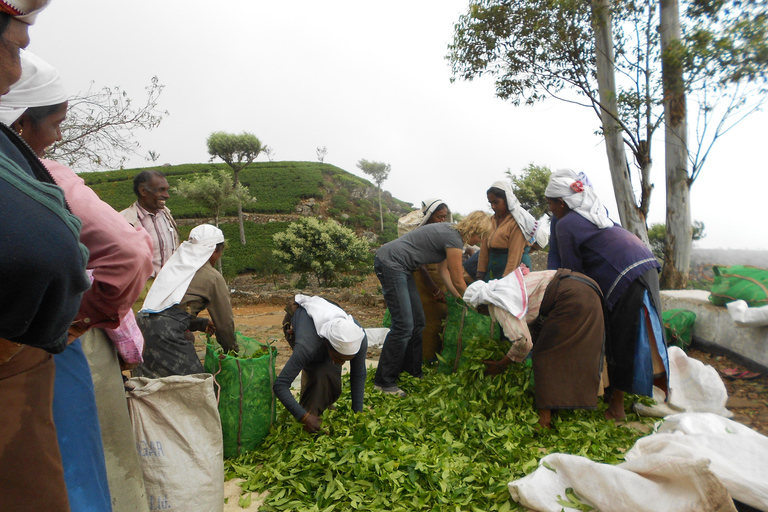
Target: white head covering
173 279
428 207
528 224
334 324
39 86
575 190
23 10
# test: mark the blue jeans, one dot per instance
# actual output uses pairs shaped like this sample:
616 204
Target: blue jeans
402 351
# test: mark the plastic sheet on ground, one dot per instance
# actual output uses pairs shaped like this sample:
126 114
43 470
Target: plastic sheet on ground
738 455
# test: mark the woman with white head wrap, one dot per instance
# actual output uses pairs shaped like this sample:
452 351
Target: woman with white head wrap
186 285
322 336
627 272
514 230
119 263
42 271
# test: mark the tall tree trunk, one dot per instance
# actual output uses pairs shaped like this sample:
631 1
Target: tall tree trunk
677 243
630 216
381 212
239 210
240 223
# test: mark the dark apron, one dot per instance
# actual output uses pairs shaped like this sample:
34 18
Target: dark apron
167 351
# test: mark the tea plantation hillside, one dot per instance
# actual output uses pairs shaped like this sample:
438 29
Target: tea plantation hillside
283 191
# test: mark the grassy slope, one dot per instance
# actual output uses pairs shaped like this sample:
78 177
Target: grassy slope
278 188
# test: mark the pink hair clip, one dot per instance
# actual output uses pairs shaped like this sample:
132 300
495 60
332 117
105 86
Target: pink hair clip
577 186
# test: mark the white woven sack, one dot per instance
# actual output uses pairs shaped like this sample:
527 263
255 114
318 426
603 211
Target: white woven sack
178 435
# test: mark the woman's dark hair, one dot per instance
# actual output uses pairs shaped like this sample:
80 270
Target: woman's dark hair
37 114
5 20
439 207
498 193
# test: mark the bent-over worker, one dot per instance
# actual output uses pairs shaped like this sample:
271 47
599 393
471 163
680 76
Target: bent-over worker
323 336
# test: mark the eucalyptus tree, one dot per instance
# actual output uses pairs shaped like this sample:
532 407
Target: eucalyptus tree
539 49
238 151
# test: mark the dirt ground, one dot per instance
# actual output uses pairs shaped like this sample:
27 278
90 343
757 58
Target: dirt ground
258 308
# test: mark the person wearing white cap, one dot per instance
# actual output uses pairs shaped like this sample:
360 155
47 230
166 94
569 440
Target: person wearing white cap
323 336
42 271
185 286
628 275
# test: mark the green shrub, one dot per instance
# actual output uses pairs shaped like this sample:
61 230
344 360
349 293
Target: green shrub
324 249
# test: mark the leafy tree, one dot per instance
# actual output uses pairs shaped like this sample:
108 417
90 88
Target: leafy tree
529 188
323 249
541 48
214 194
98 132
237 151
379 172
321 151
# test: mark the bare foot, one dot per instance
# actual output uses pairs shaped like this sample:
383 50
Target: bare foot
545 419
615 409
616 416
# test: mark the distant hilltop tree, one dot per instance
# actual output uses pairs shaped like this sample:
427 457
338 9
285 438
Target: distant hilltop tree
237 151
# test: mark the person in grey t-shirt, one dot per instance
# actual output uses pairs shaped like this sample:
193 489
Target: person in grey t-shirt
394 264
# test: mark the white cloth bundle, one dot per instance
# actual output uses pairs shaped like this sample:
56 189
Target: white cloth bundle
173 279
333 323
508 293
528 224
579 196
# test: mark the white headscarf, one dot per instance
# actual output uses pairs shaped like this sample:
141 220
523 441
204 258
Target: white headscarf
23 10
334 324
579 196
39 86
428 207
528 224
173 279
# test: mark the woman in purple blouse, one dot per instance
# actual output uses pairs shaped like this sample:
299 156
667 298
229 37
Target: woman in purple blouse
627 272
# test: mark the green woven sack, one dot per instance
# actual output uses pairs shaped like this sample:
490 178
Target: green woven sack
740 282
387 321
678 326
463 326
244 389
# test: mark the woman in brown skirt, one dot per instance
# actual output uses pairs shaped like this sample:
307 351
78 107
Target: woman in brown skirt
568 342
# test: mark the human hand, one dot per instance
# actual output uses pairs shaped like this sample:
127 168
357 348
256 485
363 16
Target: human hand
311 423
74 332
495 367
439 296
210 329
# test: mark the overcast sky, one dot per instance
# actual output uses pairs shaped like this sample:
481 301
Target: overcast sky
366 80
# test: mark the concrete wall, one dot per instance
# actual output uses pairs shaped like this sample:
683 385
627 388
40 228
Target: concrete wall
715 328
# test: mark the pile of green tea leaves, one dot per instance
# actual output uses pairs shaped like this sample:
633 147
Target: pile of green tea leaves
453 444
